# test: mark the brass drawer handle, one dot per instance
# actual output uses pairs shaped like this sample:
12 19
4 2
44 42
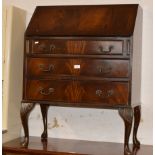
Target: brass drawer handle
46 69
52 47
103 69
101 93
110 93
106 51
45 47
46 92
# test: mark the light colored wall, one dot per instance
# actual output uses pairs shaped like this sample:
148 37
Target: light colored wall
98 124
12 74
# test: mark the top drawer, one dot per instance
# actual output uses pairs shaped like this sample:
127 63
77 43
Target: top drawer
50 46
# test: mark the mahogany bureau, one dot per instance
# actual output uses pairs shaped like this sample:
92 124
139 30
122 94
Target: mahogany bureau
84 56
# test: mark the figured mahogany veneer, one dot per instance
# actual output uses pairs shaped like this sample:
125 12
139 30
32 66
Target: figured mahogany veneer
49 67
83 56
76 47
99 20
73 93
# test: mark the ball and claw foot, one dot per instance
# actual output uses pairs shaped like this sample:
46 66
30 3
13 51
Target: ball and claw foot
25 142
127 151
44 136
136 143
135 150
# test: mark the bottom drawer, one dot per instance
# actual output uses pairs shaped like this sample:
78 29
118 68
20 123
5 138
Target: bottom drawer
78 92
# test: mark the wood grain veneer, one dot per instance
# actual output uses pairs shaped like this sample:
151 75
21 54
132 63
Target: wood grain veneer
84 56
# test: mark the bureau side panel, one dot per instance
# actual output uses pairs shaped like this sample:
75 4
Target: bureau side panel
136 60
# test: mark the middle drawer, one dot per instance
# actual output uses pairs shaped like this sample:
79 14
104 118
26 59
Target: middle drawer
49 67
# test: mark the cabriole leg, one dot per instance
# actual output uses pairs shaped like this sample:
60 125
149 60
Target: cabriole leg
24 113
44 110
127 116
137 116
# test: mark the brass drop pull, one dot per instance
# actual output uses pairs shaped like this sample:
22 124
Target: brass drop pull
44 68
46 92
106 51
103 94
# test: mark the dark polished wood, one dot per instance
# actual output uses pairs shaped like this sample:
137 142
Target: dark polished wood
24 113
44 110
137 116
71 147
76 46
49 67
85 92
127 116
82 56
99 20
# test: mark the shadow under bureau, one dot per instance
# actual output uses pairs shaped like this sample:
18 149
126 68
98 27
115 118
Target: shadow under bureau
84 56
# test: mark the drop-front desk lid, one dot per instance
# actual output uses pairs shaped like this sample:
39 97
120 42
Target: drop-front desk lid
98 20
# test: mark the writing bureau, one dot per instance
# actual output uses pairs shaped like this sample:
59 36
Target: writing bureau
84 56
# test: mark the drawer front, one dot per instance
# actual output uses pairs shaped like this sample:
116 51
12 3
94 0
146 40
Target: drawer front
78 92
76 47
47 67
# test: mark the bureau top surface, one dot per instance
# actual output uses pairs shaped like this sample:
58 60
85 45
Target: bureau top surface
87 20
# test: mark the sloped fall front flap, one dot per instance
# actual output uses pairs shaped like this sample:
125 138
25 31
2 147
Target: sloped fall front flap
99 20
